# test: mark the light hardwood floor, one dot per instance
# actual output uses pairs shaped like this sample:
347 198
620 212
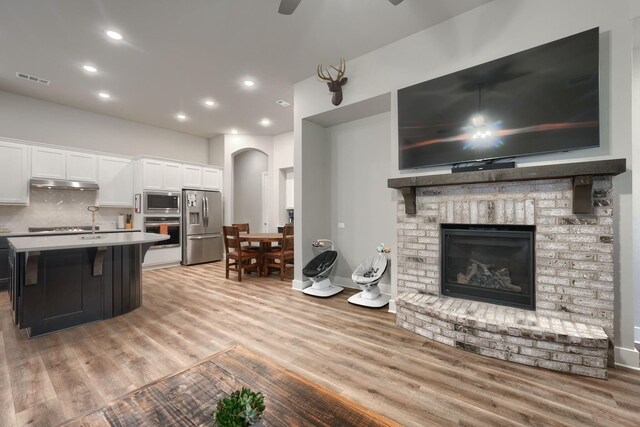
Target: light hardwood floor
189 313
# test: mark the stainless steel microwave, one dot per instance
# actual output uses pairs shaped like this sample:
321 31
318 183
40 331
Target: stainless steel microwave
159 202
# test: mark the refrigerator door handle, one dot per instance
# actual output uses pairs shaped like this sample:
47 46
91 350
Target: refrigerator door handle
203 237
204 212
207 208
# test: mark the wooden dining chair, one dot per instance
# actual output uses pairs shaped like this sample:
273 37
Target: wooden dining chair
237 258
279 259
247 246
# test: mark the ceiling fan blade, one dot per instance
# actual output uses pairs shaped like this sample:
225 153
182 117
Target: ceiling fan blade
288 6
395 2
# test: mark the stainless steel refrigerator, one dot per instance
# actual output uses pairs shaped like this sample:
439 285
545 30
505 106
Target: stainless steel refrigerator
201 226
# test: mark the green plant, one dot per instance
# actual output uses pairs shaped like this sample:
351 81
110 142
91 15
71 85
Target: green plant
242 408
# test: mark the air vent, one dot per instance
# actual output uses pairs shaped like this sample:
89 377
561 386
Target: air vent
282 103
34 79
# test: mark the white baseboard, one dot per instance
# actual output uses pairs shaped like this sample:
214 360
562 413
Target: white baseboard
147 267
627 357
392 306
299 285
636 334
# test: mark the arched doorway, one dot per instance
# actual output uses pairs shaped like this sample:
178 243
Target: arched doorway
249 169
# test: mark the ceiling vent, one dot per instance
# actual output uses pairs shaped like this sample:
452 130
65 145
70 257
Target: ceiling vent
282 103
33 78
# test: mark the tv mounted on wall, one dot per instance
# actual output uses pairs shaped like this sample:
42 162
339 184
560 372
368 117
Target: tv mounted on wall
541 100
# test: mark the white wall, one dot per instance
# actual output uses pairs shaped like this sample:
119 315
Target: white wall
233 145
248 166
359 168
282 159
636 177
31 119
311 195
500 28
278 148
216 150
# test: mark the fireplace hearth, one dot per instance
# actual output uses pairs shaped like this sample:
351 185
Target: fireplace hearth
489 263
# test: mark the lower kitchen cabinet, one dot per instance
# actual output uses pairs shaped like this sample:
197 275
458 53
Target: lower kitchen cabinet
4 263
57 289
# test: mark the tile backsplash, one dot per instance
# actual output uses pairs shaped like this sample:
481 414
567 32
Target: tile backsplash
49 208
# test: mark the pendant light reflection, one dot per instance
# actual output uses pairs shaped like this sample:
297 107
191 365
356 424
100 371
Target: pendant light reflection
482 132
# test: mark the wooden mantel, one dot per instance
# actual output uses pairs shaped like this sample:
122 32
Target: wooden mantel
582 174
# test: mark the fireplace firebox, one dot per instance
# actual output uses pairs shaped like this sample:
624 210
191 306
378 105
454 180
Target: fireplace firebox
492 263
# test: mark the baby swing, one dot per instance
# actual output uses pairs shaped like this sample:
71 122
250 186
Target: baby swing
367 276
318 270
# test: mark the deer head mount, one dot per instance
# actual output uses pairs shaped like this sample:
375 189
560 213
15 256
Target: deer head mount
335 85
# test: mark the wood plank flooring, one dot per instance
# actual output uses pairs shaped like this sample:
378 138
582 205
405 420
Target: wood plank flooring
188 313
188 397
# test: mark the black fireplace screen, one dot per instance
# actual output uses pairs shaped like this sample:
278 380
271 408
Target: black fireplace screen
489 263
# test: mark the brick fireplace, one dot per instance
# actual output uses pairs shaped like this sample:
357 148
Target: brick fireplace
570 325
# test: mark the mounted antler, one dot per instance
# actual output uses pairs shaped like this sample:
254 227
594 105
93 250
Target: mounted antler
335 85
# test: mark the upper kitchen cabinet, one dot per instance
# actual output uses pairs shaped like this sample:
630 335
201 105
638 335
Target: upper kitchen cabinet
14 163
116 182
192 176
48 163
152 174
211 179
161 175
60 164
172 176
82 167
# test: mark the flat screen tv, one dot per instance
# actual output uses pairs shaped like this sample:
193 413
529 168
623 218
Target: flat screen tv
541 100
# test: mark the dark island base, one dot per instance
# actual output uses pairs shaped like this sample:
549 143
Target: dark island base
59 289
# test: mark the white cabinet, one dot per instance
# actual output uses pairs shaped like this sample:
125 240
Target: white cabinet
191 176
48 163
289 190
211 179
116 182
81 167
172 176
161 175
152 174
14 166
60 164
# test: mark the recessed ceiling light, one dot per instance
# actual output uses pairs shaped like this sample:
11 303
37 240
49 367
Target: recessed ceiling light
89 68
234 131
181 116
104 95
265 122
113 34
249 83
209 103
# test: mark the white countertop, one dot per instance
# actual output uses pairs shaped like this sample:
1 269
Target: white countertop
24 233
49 243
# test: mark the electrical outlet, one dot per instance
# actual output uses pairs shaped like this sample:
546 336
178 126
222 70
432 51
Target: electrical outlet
341 225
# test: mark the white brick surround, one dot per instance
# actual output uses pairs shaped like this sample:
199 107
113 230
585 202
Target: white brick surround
573 260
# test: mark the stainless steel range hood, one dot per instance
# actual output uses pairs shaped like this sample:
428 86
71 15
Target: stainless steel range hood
63 184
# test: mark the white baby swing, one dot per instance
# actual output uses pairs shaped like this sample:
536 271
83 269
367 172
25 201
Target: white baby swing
367 276
319 269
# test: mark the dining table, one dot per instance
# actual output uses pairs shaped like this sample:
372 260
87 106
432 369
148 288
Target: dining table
265 240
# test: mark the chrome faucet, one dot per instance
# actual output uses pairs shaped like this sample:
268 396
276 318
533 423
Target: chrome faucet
93 210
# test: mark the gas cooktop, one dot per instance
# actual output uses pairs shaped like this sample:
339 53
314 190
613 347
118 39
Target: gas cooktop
66 229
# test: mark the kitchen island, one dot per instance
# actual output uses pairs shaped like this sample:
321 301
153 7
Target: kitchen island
57 282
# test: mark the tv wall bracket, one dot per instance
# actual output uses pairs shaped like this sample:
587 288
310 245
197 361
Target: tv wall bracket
581 173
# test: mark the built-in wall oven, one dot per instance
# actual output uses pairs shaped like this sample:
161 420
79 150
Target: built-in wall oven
156 224
162 203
